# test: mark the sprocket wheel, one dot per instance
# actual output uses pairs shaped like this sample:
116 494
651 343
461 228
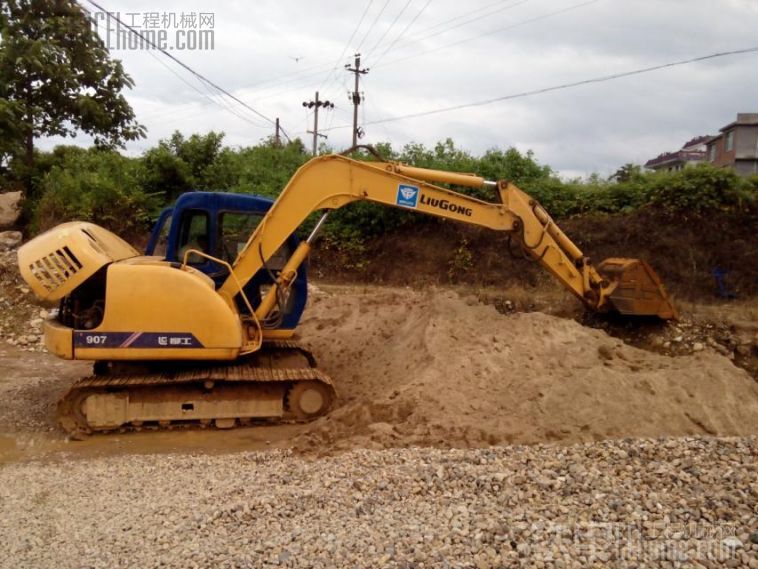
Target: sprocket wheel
71 416
309 399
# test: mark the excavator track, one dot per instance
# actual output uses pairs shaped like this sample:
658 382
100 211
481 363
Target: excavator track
261 388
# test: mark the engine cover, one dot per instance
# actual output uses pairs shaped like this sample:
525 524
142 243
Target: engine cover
57 261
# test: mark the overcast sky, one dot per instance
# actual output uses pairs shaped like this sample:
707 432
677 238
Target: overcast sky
274 54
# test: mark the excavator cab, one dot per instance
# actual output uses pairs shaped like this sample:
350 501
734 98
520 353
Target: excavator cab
219 224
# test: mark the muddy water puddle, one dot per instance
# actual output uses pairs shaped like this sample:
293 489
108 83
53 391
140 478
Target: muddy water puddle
32 383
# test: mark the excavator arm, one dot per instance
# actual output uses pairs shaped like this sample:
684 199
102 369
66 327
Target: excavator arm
333 181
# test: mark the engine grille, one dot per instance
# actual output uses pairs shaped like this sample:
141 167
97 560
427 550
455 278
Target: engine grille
56 268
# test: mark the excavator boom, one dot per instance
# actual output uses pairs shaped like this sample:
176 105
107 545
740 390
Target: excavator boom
629 286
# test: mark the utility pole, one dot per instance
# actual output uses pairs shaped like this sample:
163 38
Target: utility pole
315 106
356 94
277 138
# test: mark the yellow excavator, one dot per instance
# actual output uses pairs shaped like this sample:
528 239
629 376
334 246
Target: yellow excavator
200 330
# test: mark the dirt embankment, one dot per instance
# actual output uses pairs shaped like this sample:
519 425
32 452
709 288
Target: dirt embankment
433 368
685 252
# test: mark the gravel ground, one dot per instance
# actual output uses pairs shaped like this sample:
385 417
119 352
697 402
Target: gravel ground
628 503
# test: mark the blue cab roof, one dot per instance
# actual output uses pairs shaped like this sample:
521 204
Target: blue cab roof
223 201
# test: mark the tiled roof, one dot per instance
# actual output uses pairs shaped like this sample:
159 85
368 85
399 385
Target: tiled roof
683 155
679 156
697 140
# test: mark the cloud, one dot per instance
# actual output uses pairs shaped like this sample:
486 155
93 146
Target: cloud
577 131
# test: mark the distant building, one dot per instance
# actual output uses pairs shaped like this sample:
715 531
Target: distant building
737 145
692 152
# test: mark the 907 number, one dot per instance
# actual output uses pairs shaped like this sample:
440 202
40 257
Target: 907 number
95 340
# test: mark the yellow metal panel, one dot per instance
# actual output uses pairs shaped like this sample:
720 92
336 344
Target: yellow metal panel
107 409
146 296
59 260
144 354
544 241
440 176
58 339
277 334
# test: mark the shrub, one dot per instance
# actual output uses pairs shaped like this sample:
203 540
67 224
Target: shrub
96 185
265 169
121 193
699 190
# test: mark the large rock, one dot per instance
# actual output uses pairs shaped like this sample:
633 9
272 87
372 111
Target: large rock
10 240
9 208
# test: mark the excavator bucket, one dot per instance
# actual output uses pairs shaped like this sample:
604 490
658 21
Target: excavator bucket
638 291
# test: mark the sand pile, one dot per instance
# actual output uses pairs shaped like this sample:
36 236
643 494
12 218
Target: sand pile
421 368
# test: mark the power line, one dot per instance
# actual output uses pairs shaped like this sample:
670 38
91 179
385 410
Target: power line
234 110
600 79
347 44
468 21
296 80
466 14
465 22
512 5
497 30
184 65
375 109
284 132
403 44
337 109
275 81
387 30
509 6
182 79
223 105
327 84
317 69
314 70
371 27
289 77
405 29
305 77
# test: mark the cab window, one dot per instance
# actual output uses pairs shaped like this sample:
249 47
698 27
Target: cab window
161 245
193 234
236 229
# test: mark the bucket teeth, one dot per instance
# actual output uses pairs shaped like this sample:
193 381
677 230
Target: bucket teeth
636 289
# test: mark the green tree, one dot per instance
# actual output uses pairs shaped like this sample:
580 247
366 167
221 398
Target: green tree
521 169
57 78
180 164
627 173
